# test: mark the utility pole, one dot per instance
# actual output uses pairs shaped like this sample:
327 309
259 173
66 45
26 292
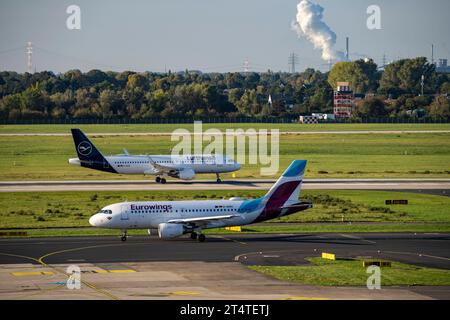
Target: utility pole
30 57
422 81
384 61
292 61
246 65
432 54
347 49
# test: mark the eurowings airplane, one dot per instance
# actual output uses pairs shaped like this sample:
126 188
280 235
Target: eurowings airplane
172 219
161 166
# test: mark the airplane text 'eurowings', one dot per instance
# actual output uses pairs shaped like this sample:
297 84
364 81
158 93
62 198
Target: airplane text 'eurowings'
151 207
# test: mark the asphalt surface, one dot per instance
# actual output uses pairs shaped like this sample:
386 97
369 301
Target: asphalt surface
433 186
234 134
431 250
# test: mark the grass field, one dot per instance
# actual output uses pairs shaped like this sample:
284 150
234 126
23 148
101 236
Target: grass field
283 127
334 211
352 273
411 155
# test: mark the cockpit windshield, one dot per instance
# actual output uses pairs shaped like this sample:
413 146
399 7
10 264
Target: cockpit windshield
105 211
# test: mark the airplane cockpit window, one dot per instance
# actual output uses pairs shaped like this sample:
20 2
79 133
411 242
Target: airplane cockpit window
105 211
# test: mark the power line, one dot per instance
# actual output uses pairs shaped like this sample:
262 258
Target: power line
12 50
73 58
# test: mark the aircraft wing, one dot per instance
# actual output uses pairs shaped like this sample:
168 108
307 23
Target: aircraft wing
202 220
160 168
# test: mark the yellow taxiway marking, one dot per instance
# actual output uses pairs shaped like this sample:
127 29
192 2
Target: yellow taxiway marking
33 273
104 292
100 271
18 256
121 271
182 293
306 298
41 261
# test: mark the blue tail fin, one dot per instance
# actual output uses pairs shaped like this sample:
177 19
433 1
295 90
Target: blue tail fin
88 154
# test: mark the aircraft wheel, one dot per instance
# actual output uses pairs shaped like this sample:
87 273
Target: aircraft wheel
194 235
163 181
158 179
123 238
201 238
219 181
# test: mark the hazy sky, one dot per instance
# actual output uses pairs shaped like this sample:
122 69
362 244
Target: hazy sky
209 35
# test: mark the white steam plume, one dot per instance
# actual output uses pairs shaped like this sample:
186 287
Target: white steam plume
310 25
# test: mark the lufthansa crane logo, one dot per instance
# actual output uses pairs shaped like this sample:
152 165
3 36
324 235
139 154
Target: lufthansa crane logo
85 148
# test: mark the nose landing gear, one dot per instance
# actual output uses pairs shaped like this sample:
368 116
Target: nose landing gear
124 236
218 178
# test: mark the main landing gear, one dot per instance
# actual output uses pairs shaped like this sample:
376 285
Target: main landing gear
218 178
124 236
160 180
200 237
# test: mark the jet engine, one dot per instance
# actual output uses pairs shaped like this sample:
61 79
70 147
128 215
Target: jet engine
170 230
186 174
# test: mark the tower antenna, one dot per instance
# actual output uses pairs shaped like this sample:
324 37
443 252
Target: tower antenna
347 48
246 65
30 57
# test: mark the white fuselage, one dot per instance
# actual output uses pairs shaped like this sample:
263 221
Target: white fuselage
148 215
145 164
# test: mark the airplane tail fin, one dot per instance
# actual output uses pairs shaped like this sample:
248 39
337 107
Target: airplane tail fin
88 154
287 188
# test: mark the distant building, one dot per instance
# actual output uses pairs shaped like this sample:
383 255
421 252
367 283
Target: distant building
442 66
344 100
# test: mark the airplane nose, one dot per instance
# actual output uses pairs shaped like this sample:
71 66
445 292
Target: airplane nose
93 221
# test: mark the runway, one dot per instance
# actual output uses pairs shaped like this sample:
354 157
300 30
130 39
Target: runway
149 268
434 186
346 132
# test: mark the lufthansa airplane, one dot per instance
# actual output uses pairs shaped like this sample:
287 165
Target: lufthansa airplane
181 167
172 219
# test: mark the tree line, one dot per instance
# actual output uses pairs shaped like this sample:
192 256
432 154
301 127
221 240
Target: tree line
395 91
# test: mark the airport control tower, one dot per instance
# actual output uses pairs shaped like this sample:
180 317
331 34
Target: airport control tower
343 100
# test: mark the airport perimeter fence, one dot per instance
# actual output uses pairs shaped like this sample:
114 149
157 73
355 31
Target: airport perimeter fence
187 120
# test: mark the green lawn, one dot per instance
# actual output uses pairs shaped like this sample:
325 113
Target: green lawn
113 128
352 273
334 211
330 156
